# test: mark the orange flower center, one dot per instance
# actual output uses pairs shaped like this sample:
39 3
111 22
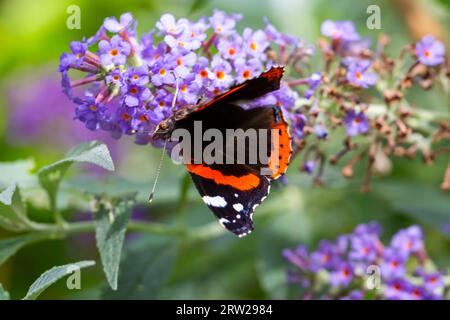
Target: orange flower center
135 77
134 90
116 77
93 107
143 118
114 52
246 74
358 75
162 72
203 73
231 51
126 117
179 62
184 88
161 104
220 75
253 46
427 54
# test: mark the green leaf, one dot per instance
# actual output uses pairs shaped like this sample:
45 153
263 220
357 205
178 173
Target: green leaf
18 172
198 5
148 266
51 276
4 295
92 152
13 215
9 247
111 218
425 203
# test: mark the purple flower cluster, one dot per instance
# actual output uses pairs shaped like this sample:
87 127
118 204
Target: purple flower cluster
350 262
131 80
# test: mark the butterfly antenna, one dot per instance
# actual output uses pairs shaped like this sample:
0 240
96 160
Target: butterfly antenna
176 91
158 171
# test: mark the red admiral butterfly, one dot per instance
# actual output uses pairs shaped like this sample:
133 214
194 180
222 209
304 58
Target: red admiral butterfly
233 191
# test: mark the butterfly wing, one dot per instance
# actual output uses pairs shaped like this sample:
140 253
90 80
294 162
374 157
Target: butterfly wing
249 90
231 197
233 191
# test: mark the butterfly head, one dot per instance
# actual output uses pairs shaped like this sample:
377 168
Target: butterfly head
165 127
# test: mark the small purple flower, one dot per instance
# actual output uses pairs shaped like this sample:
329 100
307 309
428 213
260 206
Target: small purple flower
320 131
115 77
363 248
74 59
160 75
418 293
125 23
397 289
358 76
222 73
222 23
433 281
247 69
136 95
342 275
188 92
90 112
255 43
114 51
138 77
167 24
184 64
339 30
325 257
298 122
203 74
430 51
355 123
314 80
231 49
408 240
309 166
393 264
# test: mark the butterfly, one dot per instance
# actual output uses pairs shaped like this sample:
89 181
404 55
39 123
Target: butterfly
233 191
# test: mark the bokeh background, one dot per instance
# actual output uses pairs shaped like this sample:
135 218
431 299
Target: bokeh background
36 127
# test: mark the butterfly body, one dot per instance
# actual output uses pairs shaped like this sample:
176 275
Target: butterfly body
236 184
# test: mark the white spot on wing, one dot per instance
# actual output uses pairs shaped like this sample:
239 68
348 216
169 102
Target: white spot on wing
236 195
238 207
216 201
223 221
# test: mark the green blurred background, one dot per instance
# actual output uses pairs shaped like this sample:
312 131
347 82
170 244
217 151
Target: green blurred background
32 36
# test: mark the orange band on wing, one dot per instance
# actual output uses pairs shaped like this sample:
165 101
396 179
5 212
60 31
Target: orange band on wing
279 161
244 183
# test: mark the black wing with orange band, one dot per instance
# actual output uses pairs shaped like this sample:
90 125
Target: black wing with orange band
233 191
249 90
